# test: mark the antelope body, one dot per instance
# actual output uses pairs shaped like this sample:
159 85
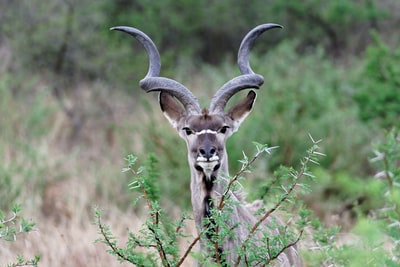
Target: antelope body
205 132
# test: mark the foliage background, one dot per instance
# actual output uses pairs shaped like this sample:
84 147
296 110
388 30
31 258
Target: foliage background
71 108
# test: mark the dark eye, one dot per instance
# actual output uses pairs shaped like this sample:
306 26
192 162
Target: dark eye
223 129
187 131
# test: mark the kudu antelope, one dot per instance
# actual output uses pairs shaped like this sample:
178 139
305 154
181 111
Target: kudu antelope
205 132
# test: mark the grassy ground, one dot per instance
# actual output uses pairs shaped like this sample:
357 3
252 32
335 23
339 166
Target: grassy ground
59 180
60 166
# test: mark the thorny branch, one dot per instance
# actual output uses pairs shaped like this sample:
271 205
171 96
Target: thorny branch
12 218
387 173
9 227
296 175
225 195
243 169
284 248
155 216
160 247
108 240
194 242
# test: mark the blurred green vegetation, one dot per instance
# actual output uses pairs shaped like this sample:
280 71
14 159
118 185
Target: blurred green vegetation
332 72
378 94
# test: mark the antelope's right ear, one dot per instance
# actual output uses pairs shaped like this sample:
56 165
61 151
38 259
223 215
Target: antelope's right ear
171 108
241 110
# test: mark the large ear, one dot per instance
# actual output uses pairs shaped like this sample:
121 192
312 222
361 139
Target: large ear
171 108
241 110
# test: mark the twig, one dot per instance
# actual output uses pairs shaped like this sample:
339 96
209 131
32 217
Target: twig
297 176
284 248
143 189
194 242
109 243
160 248
245 166
10 219
387 174
180 224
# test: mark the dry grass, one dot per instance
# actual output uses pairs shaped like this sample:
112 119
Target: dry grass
75 176
70 243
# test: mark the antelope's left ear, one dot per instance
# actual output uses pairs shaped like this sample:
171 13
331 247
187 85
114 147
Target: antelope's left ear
171 109
241 110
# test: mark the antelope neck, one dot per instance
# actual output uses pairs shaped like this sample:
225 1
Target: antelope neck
205 189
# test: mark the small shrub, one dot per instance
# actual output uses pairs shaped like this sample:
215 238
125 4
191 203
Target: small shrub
156 243
374 236
13 225
378 87
387 156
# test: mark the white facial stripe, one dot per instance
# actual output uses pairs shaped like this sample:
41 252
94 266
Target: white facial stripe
205 131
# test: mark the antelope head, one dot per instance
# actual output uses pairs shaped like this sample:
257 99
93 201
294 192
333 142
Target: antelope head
204 130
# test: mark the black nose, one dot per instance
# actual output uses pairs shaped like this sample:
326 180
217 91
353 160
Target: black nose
207 151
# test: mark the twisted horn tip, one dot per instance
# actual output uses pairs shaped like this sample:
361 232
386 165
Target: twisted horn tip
123 29
270 25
